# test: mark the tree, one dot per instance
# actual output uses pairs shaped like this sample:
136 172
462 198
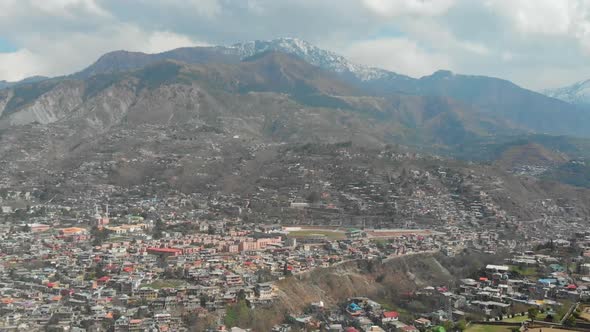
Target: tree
116 315
570 321
99 235
461 325
286 271
532 314
264 275
158 232
239 315
241 295
203 300
448 325
313 197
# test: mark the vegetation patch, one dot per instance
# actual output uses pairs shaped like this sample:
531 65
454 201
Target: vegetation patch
169 283
516 319
524 271
330 235
488 328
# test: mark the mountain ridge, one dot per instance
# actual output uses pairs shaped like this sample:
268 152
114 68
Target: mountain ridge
410 119
443 112
502 99
32 79
577 93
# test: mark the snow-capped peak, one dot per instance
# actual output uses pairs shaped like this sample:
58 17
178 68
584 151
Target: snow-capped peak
311 54
577 93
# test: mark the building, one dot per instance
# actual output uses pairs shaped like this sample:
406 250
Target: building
264 291
37 228
164 252
389 316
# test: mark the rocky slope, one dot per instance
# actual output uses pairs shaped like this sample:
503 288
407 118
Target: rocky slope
272 94
500 99
530 154
247 127
389 283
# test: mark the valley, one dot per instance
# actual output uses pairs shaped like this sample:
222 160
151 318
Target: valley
244 185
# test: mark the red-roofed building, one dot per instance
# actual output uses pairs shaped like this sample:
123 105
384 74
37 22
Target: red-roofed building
164 251
103 280
390 316
410 328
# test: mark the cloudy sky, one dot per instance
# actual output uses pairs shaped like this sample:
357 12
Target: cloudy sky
535 43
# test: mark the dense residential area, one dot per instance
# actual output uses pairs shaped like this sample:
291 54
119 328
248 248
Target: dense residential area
164 266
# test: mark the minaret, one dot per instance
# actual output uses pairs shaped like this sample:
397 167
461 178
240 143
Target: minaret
97 215
105 220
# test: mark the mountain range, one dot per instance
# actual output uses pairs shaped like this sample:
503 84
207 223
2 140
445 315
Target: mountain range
204 93
287 90
496 98
276 121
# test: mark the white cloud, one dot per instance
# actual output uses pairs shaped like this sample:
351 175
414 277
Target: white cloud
394 8
17 65
536 16
558 18
161 41
203 8
507 56
55 8
400 55
65 7
60 56
438 36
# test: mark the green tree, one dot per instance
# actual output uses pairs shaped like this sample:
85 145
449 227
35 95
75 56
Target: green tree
158 231
238 315
570 321
241 295
461 325
99 235
532 314
448 325
203 300
313 197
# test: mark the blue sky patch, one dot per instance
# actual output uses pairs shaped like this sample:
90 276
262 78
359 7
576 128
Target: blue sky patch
6 46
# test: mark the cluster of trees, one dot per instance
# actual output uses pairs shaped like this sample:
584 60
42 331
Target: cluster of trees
158 230
259 319
99 235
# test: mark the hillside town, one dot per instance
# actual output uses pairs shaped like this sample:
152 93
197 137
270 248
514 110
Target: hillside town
93 255
165 268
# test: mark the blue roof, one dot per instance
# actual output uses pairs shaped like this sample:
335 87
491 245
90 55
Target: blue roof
548 281
354 306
